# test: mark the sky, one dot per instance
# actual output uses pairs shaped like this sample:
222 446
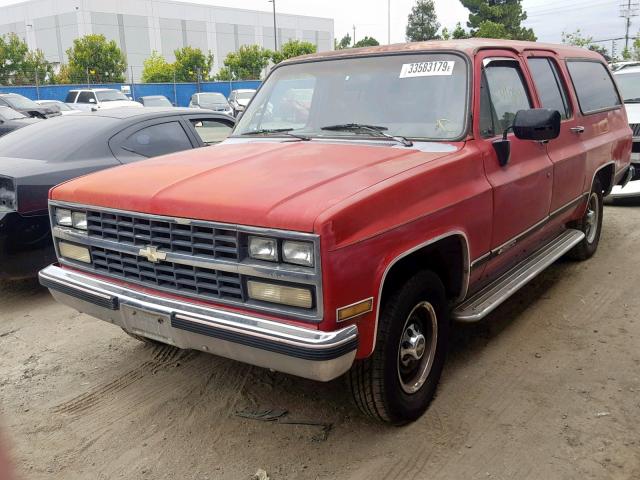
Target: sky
549 18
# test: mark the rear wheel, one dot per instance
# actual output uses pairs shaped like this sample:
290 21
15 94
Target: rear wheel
590 224
397 383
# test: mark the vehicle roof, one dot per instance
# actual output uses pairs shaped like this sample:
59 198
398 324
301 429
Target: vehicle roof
470 46
150 112
244 90
629 69
152 96
11 94
93 89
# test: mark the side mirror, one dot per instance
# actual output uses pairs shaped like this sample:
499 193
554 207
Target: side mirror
92 100
537 124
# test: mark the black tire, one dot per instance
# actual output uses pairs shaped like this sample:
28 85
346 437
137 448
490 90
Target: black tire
377 383
592 228
142 339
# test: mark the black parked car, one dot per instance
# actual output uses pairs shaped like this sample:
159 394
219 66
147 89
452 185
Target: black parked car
34 159
28 107
11 120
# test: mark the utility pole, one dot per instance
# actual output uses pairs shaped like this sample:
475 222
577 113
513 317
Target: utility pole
628 9
354 35
275 27
389 22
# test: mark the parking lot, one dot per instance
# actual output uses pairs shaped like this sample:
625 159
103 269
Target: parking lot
547 387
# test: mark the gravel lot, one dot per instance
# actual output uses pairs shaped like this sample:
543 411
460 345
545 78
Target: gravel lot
548 387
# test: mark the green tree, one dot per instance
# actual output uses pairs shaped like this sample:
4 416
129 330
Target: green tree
191 62
245 64
422 23
367 42
157 70
458 33
345 42
19 65
96 58
577 39
293 48
501 19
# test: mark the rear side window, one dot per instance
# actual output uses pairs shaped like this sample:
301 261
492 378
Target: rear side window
85 97
549 85
594 86
158 140
503 94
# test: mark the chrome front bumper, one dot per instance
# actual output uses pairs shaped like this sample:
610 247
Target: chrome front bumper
304 352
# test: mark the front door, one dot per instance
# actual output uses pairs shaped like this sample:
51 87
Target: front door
567 152
522 189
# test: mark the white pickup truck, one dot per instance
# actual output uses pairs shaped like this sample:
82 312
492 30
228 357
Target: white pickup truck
99 98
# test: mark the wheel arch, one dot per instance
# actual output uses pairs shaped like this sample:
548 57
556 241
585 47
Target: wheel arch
447 255
606 174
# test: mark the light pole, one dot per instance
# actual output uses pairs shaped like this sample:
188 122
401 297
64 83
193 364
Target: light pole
389 22
275 27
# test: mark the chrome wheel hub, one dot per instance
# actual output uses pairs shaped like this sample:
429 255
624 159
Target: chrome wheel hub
417 347
592 217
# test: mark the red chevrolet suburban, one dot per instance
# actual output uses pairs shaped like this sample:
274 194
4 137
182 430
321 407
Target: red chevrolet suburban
365 199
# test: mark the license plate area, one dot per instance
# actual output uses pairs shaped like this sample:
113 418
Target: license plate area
148 323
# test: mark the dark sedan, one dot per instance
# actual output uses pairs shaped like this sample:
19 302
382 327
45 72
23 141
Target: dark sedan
35 159
28 107
11 120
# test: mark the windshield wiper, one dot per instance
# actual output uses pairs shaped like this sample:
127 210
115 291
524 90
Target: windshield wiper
272 131
376 130
632 100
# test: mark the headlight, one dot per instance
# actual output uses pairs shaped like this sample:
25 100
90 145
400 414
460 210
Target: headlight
79 220
63 217
262 248
298 253
268 292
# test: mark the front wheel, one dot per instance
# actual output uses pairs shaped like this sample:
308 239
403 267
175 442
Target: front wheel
397 383
590 224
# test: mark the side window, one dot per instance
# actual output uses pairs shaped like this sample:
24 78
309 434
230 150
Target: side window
503 94
2 102
84 97
550 88
157 140
71 97
211 131
594 85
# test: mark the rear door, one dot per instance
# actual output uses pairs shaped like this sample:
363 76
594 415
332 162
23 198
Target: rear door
567 152
522 189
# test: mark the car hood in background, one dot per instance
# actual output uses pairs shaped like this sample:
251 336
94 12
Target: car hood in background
280 185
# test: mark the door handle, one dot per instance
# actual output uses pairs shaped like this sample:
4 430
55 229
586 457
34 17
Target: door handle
577 129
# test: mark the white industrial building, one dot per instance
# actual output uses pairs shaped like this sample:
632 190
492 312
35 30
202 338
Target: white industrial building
142 26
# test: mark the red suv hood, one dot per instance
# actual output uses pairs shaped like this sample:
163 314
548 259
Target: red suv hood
278 185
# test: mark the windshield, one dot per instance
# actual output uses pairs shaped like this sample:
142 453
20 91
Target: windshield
629 84
157 102
110 96
58 105
7 113
18 101
245 95
415 96
211 99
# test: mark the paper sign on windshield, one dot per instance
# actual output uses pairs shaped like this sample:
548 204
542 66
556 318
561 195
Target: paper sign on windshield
427 69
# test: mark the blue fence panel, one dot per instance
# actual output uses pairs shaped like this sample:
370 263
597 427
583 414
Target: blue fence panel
179 93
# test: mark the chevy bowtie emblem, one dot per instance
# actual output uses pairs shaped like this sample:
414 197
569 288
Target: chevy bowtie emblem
152 254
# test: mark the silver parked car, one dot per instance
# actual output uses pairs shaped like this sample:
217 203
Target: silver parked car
211 101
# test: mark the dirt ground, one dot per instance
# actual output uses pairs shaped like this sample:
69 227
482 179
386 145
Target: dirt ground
547 388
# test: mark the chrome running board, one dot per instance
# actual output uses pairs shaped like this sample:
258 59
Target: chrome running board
486 300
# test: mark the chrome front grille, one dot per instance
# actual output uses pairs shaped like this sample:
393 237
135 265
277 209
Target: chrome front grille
191 239
184 279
